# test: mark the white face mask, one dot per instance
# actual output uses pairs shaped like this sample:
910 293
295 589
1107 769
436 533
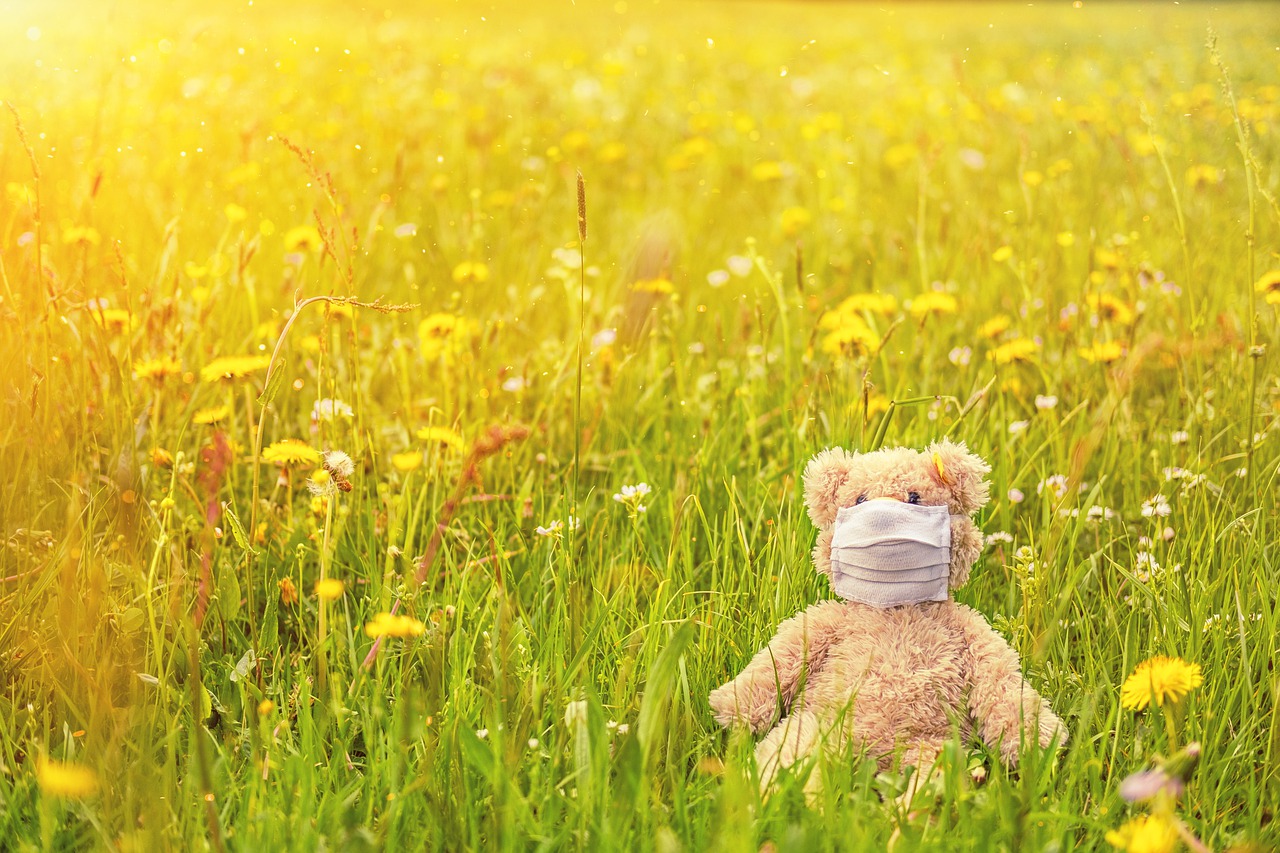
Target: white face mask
886 553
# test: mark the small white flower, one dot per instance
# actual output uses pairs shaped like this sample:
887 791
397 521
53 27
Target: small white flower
514 384
482 733
1044 402
718 278
1168 534
1018 426
406 230
632 498
623 728
533 743
604 338
1101 513
960 356
329 409
1055 483
552 529
1000 536
574 522
1016 496
1179 437
739 265
1156 507
1242 473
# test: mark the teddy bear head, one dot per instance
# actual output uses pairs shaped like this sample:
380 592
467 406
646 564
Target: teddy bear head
945 474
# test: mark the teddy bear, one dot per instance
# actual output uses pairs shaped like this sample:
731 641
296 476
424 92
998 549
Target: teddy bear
896 663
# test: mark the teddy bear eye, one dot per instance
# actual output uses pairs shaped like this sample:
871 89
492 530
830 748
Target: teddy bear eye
913 497
860 499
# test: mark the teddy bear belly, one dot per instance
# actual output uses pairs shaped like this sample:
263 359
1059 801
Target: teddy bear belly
895 694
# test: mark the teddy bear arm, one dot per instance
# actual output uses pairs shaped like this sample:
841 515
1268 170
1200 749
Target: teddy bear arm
779 671
1006 709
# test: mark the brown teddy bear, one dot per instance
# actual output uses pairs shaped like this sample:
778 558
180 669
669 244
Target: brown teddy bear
897 661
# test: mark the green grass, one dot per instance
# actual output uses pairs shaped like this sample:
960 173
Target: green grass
140 640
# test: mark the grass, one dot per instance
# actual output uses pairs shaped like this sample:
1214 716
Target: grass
1081 173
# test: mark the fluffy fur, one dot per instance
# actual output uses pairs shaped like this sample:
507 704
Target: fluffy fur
895 680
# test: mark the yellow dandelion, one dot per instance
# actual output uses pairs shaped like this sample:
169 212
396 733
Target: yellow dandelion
1033 178
234 367
850 336
406 462
932 302
1160 679
442 435
1269 286
1203 175
1002 254
766 170
156 368
290 451
443 334
265 707
393 625
1108 259
330 589
1066 239
211 415
195 271
1018 349
794 220
874 303
612 152
1103 352
1148 833
661 285
80 235
303 238
1112 308
471 272
995 327
64 779
288 592
113 320
235 213
900 155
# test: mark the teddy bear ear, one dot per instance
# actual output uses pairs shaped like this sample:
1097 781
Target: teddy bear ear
823 478
963 473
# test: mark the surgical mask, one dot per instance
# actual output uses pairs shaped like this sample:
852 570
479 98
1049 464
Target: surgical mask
886 553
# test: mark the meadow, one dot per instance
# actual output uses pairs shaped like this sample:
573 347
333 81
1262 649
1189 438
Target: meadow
353 501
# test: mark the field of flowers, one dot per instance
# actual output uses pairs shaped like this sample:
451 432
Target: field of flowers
353 500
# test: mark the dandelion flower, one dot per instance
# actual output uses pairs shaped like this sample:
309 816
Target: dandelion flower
995 327
1160 679
1111 308
234 367
157 369
211 415
794 220
290 451
471 272
407 462
329 589
64 779
442 435
932 302
1002 254
1148 833
443 334
1269 287
661 285
394 625
303 238
1009 352
1103 352
852 337
113 320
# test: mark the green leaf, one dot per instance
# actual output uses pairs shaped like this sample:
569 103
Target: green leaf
659 687
247 662
274 378
237 529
